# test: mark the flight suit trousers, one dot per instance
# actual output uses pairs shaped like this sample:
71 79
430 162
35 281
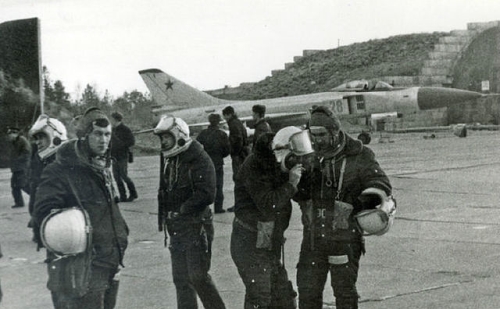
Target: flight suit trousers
219 184
103 292
236 162
266 280
191 257
120 173
341 260
19 183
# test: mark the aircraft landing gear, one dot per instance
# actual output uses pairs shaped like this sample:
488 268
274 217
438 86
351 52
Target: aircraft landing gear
365 138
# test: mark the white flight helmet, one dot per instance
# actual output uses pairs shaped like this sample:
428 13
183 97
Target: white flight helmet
379 220
291 141
300 143
66 231
53 129
281 142
174 135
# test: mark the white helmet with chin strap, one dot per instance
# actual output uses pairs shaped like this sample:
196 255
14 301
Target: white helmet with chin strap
281 142
378 219
174 135
290 146
53 129
67 231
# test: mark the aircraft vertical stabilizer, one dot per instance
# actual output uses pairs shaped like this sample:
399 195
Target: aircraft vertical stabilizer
20 59
171 94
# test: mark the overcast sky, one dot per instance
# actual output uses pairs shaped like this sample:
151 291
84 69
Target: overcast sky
212 43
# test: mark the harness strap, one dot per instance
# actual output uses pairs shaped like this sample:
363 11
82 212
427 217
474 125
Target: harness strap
321 213
341 178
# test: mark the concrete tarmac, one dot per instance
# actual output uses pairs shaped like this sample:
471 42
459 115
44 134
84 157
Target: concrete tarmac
442 251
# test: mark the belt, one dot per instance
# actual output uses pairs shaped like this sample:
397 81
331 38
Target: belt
323 213
245 225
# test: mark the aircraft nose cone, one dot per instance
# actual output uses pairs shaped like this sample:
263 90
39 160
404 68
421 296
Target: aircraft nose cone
436 97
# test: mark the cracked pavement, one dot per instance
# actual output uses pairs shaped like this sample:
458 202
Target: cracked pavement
442 251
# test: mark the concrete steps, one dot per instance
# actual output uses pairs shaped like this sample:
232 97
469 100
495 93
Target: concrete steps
438 69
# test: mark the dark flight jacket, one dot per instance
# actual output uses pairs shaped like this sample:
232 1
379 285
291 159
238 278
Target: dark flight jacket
94 191
261 127
237 137
188 191
262 191
21 153
122 139
362 171
216 144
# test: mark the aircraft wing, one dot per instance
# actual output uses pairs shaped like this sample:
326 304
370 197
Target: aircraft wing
249 119
193 128
143 131
276 121
280 120
277 116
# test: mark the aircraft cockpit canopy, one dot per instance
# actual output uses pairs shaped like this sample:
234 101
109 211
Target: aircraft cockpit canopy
364 85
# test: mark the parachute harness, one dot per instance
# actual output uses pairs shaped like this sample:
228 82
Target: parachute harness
330 173
171 169
321 212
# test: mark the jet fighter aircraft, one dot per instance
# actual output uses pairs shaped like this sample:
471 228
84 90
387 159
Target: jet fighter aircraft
353 104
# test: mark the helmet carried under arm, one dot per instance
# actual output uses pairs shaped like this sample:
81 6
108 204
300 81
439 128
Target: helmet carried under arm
379 219
66 231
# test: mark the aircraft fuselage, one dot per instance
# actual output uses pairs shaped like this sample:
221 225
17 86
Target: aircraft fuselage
345 104
181 100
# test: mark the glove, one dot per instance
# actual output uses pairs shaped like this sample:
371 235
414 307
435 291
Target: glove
295 174
341 213
372 198
307 213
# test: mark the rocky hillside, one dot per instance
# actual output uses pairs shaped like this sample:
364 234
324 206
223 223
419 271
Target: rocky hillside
401 55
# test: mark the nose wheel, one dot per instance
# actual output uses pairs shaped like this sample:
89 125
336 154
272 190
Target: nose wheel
365 138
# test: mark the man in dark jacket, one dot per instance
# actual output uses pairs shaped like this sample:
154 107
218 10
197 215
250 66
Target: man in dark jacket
260 126
216 144
48 134
330 197
187 188
19 166
263 208
81 177
238 140
121 141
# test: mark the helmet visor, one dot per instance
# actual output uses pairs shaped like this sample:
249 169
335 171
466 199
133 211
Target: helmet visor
300 143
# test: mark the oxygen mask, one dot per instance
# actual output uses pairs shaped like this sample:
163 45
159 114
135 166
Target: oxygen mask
301 152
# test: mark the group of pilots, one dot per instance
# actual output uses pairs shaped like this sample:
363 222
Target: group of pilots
342 192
